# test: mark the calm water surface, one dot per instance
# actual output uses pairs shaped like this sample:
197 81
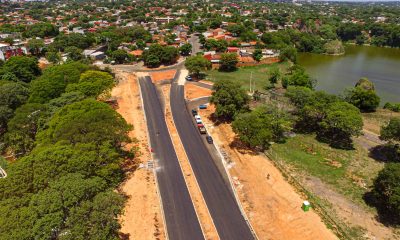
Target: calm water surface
336 73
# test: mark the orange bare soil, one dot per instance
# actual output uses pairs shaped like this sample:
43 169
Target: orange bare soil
272 205
162 75
193 91
142 215
202 212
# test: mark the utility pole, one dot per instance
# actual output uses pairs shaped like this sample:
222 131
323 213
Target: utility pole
251 78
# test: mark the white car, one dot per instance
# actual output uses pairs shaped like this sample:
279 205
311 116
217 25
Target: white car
198 121
197 117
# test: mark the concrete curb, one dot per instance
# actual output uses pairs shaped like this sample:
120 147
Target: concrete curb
233 188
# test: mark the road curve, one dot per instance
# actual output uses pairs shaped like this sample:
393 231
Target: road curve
179 213
224 210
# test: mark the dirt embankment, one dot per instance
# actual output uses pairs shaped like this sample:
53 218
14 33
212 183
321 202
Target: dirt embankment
193 91
162 75
142 215
203 214
271 203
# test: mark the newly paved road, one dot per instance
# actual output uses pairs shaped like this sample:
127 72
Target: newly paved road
224 210
179 213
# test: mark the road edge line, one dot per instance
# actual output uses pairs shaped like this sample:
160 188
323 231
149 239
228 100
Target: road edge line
180 166
154 168
235 194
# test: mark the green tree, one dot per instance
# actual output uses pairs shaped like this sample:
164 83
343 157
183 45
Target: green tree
300 96
120 56
74 53
152 61
365 100
288 53
299 77
92 83
197 64
35 46
342 121
229 99
53 57
87 121
215 23
22 128
365 84
157 54
24 68
261 126
386 191
185 49
274 75
257 55
41 30
6 114
391 131
228 61
54 80
13 95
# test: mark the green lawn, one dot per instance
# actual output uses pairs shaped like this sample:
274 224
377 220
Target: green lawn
3 163
349 171
242 75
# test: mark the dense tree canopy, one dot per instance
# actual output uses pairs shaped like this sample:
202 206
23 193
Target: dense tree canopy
87 121
391 131
157 54
261 126
197 64
24 68
41 30
228 61
69 156
229 99
363 96
92 83
299 77
54 81
386 191
341 122
334 120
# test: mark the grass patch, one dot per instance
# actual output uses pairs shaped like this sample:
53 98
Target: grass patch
351 172
242 75
373 121
3 163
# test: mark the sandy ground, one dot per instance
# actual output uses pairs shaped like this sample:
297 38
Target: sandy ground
182 77
193 91
271 203
203 214
142 215
162 75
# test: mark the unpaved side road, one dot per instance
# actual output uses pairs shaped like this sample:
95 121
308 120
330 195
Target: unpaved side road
142 218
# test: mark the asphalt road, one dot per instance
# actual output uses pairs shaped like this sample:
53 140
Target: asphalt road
194 40
179 213
224 210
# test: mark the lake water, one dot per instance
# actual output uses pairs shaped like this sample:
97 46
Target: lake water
336 73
